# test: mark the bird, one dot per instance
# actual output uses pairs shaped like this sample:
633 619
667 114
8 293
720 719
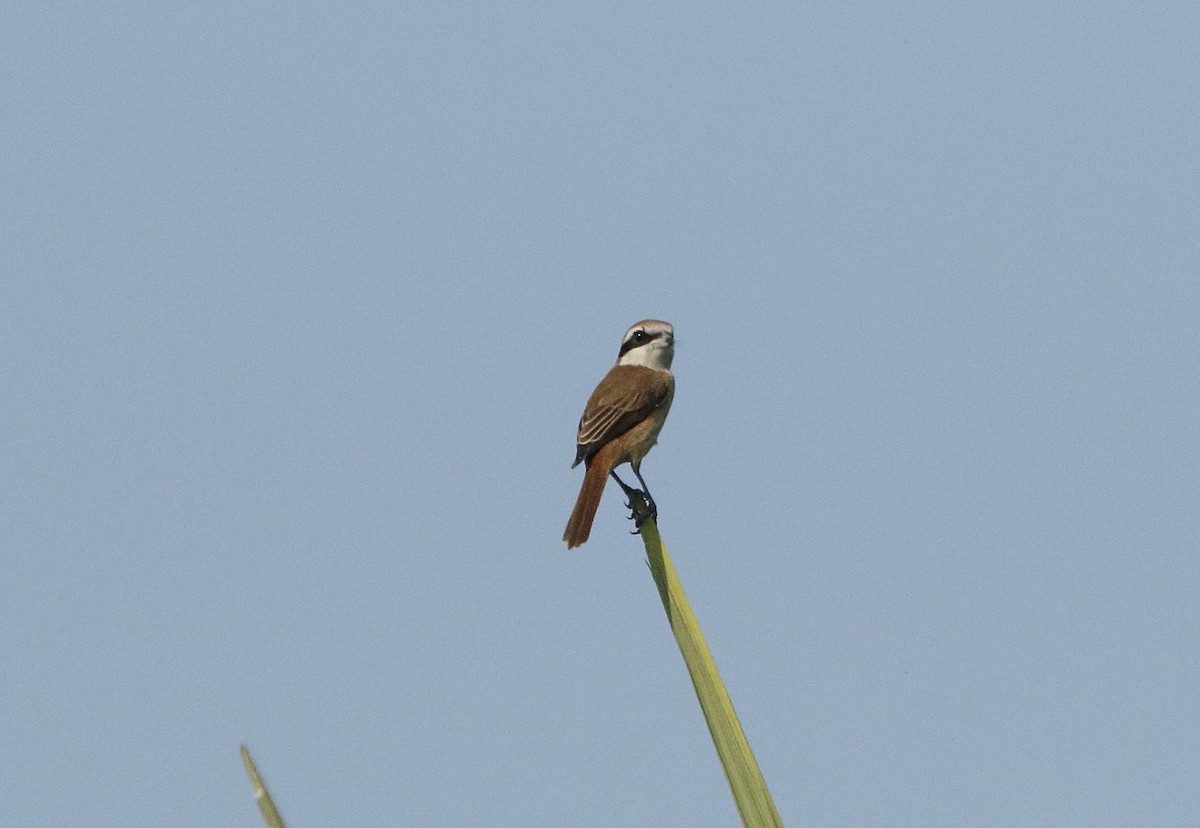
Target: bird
622 420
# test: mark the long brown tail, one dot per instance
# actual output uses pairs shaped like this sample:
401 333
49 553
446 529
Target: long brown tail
580 524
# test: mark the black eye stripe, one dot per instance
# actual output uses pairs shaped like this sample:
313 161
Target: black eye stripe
638 339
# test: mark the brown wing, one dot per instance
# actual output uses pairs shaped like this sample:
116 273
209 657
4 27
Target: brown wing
625 397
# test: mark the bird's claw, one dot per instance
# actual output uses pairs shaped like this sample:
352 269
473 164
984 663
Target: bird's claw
641 508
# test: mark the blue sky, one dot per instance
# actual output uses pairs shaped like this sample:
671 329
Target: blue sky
300 305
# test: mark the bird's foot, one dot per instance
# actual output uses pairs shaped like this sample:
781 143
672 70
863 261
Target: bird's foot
641 508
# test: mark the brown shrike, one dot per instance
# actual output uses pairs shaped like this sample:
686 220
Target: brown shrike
622 419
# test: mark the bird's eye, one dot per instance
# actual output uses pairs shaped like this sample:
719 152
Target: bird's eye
639 336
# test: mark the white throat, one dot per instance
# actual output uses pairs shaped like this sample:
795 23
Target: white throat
656 354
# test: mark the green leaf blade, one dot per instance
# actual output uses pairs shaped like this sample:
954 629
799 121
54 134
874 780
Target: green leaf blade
265 804
746 782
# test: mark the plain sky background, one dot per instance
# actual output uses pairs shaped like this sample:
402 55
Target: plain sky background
300 305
